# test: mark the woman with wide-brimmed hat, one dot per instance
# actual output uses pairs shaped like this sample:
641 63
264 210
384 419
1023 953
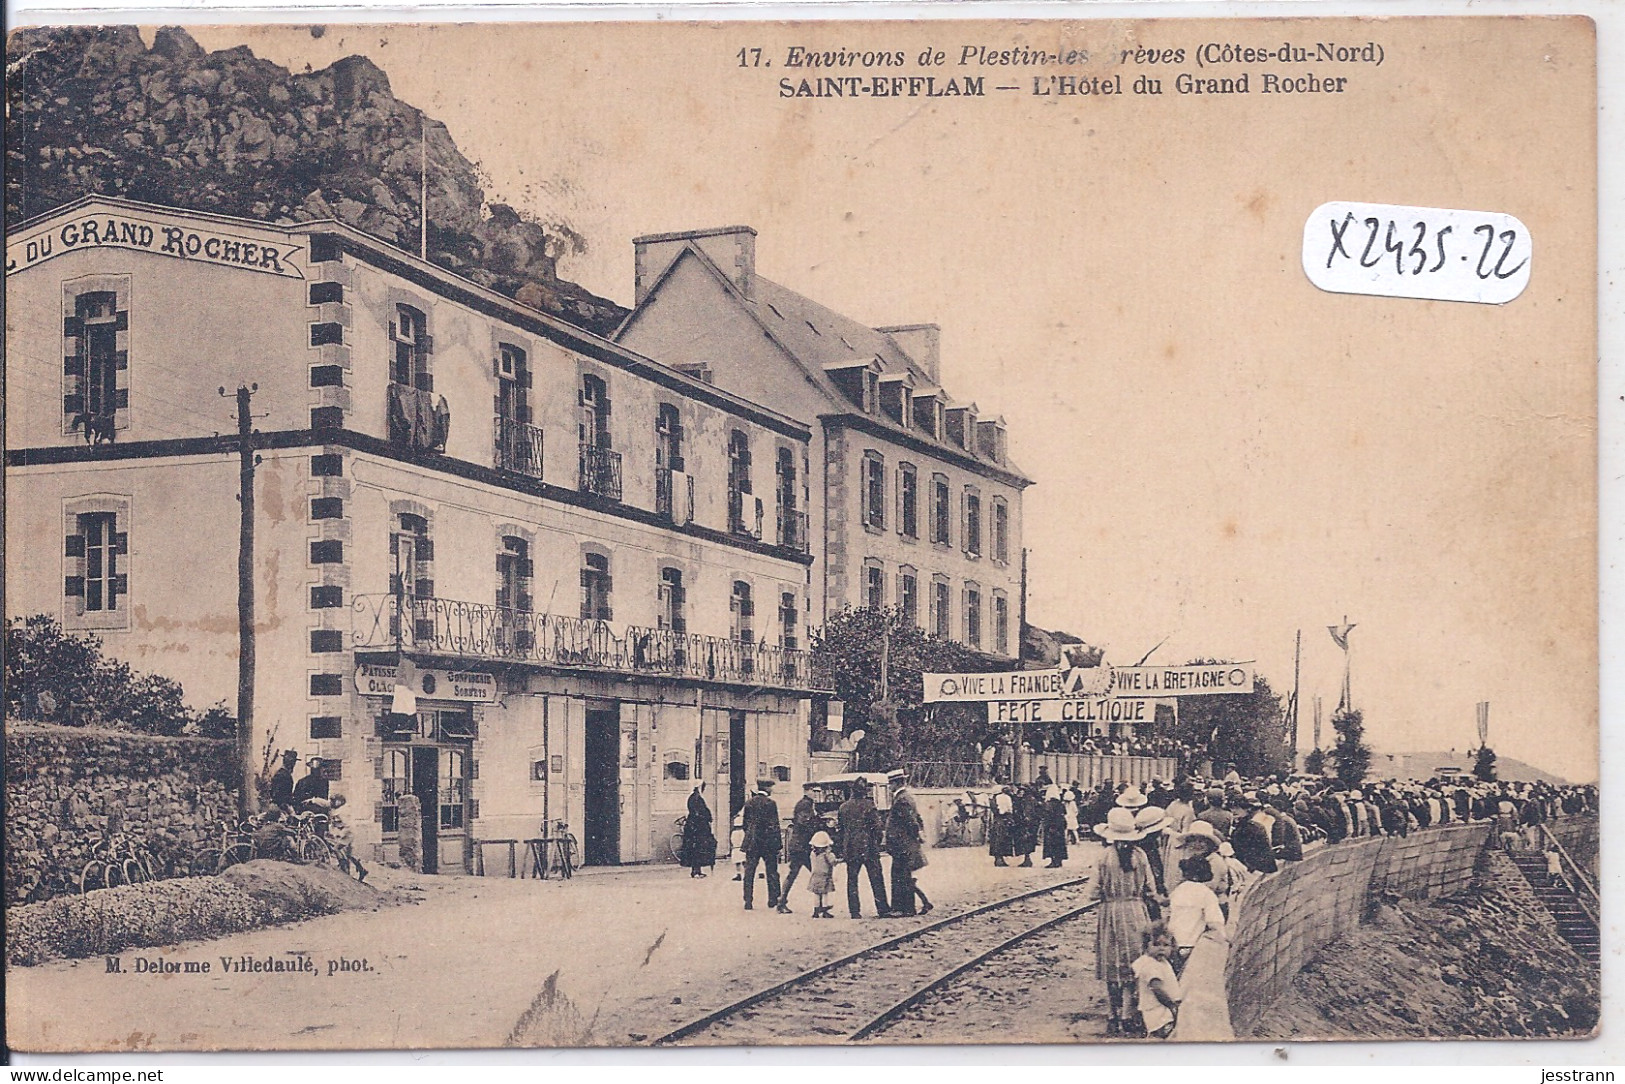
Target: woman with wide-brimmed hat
1124 886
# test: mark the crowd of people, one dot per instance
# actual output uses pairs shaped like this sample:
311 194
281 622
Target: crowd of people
863 833
1179 853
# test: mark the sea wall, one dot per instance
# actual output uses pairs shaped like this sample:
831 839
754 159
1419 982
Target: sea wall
68 786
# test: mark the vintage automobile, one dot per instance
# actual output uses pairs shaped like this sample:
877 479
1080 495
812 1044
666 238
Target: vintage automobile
828 794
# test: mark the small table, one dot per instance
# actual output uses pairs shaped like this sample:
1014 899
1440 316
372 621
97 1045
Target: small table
538 863
479 855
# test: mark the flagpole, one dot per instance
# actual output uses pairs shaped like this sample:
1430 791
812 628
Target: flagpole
423 188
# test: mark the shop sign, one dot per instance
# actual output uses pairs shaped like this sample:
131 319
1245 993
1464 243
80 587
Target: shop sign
467 685
99 229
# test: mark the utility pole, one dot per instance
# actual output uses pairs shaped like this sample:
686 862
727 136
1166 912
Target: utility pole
247 795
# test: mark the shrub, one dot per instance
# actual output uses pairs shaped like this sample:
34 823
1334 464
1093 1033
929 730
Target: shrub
111 920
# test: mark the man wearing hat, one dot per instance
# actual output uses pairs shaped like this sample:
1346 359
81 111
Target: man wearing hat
804 822
313 785
282 781
1251 840
762 842
859 824
905 842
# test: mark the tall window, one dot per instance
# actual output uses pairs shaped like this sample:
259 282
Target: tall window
397 781
593 428
908 500
668 438
412 551
789 614
92 361
452 785
513 385
908 594
1001 531
514 571
973 615
874 585
597 588
99 545
973 522
740 519
411 346
744 613
874 491
941 509
1001 623
672 601
941 608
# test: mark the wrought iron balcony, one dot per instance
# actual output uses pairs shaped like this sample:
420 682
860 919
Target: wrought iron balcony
600 471
517 447
793 529
477 631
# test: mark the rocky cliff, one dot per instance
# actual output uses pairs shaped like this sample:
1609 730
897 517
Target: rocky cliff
94 110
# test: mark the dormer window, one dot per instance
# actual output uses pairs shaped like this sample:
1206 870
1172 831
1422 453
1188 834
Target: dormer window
858 380
928 414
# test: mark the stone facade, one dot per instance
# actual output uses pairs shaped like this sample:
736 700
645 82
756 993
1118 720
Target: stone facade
67 786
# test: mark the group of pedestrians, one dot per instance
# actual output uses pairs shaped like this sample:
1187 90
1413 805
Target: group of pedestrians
862 836
310 796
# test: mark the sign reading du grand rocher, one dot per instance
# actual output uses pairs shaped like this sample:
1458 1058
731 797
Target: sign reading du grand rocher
181 239
1067 683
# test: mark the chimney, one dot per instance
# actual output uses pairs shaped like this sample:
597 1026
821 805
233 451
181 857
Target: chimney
731 248
923 345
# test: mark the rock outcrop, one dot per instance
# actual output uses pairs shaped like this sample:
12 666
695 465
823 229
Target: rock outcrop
93 110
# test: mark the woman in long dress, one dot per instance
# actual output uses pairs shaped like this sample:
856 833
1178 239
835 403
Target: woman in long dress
699 841
1123 884
1054 828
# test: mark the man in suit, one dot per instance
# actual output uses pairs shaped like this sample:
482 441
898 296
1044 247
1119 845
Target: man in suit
762 842
313 785
859 823
282 780
804 821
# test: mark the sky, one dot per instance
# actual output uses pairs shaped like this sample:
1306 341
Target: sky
1223 454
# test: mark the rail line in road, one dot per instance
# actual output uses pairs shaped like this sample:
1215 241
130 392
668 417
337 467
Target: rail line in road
856 996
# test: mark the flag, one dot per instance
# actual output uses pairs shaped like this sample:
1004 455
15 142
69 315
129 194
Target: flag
1340 634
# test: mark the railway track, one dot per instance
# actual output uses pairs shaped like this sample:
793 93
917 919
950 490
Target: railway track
858 995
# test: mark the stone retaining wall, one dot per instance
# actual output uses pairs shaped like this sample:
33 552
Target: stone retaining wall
1282 920
67 786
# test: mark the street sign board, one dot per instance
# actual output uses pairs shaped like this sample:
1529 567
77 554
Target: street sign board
1085 682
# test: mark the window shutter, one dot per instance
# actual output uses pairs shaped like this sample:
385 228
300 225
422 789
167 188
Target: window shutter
425 549
525 379
75 545
527 568
522 413
524 603
609 584
747 606
426 343
74 587
609 613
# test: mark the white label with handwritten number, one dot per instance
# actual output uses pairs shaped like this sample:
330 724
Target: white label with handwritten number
1420 252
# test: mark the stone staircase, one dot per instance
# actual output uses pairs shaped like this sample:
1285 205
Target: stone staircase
1575 922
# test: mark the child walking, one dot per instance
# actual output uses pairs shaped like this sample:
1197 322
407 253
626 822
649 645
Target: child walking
821 873
1158 987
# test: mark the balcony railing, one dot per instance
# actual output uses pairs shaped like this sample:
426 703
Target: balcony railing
601 472
517 447
477 631
793 529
